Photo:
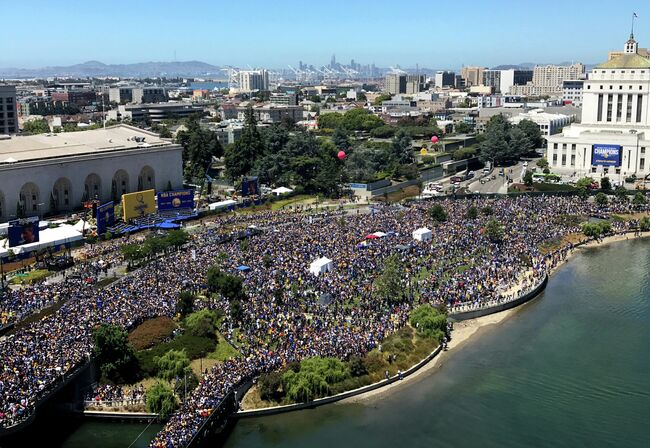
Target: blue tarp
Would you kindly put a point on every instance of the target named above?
(243, 268)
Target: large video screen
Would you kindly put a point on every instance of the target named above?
(250, 186)
(140, 203)
(23, 231)
(606, 155)
(170, 200)
(105, 217)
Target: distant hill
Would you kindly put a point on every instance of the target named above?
(96, 68)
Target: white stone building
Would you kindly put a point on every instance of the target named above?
(57, 172)
(549, 124)
(612, 138)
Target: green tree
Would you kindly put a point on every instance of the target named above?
(313, 379)
(330, 120)
(585, 182)
(520, 144)
(340, 139)
(402, 148)
(531, 129)
(185, 303)
(381, 98)
(161, 400)
(199, 146)
(177, 237)
(528, 178)
(601, 199)
(639, 200)
(472, 212)
(621, 193)
(430, 322)
(384, 131)
(115, 356)
(644, 223)
(496, 146)
(242, 155)
(494, 230)
(605, 184)
(202, 323)
(542, 163)
(269, 385)
(70, 127)
(463, 128)
(229, 286)
(173, 365)
(388, 285)
(36, 127)
(437, 213)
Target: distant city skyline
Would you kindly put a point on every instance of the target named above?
(283, 33)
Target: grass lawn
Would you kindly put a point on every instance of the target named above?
(224, 350)
(31, 277)
(307, 199)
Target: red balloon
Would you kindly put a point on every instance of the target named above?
(434, 139)
(341, 155)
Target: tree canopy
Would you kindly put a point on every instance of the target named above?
(199, 146)
(503, 141)
(114, 354)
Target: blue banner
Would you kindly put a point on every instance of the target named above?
(171, 200)
(606, 155)
(23, 231)
(105, 217)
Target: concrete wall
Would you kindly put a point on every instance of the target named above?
(500, 307)
(166, 163)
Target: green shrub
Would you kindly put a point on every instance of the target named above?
(202, 323)
(161, 400)
(429, 322)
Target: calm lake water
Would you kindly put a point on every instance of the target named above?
(570, 369)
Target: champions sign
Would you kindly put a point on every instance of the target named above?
(606, 155)
(171, 200)
(140, 203)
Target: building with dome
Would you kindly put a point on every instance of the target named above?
(613, 138)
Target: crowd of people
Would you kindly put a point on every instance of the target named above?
(111, 395)
(282, 319)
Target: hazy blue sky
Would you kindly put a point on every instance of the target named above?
(435, 34)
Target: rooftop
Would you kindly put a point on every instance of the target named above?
(47, 146)
(627, 61)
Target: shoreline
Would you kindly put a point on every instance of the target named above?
(464, 331)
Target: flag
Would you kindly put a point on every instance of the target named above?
(634, 15)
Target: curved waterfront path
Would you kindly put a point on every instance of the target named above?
(570, 369)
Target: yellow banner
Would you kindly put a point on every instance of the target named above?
(138, 204)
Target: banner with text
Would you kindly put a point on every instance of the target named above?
(138, 204)
(606, 155)
(170, 200)
(105, 217)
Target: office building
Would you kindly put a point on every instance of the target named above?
(445, 79)
(253, 80)
(285, 99)
(77, 97)
(572, 92)
(137, 94)
(396, 83)
(272, 113)
(473, 76)
(549, 124)
(548, 79)
(414, 84)
(613, 138)
(8, 113)
(153, 113)
(57, 172)
(492, 78)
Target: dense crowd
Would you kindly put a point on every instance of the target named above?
(114, 396)
(283, 319)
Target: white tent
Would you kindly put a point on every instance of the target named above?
(281, 190)
(422, 234)
(321, 265)
(47, 238)
(222, 204)
(81, 225)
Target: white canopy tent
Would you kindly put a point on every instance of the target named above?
(422, 234)
(81, 226)
(321, 265)
(47, 238)
(222, 204)
(281, 190)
